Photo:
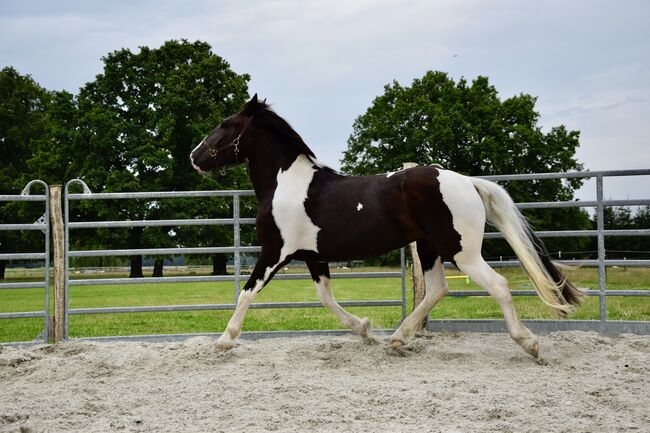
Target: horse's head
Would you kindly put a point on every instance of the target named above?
(227, 144)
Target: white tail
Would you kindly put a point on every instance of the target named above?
(552, 287)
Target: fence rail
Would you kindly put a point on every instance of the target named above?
(236, 249)
(43, 225)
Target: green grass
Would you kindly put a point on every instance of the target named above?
(618, 308)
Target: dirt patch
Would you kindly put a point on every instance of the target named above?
(439, 383)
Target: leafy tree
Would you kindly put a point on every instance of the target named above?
(623, 218)
(134, 127)
(22, 121)
(469, 129)
(642, 221)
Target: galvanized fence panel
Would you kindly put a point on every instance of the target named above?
(42, 224)
(603, 324)
(236, 250)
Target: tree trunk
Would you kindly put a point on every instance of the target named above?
(219, 262)
(158, 268)
(136, 267)
(3, 266)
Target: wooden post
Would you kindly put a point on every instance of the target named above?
(418, 275)
(56, 216)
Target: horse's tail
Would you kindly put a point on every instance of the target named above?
(553, 287)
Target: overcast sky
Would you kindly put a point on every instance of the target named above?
(320, 63)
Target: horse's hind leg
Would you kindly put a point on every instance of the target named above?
(436, 288)
(321, 275)
(496, 285)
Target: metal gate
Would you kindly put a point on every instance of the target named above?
(541, 326)
(42, 224)
(236, 249)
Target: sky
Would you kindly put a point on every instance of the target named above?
(321, 63)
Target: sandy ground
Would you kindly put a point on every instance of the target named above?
(440, 383)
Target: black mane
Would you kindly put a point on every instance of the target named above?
(268, 119)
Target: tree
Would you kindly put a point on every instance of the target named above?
(134, 127)
(469, 129)
(22, 121)
(623, 218)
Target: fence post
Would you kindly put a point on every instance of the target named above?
(600, 225)
(418, 276)
(236, 244)
(56, 216)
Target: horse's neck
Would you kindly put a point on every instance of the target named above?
(264, 172)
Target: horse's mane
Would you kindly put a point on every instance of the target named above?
(269, 119)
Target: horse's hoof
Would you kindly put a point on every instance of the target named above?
(225, 345)
(363, 328)
(396, 343)
(531, 346)
(370, 340)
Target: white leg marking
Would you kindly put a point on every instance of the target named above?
(246, 297)
(479, 271)
(297, 230)
(436, 288)
(360, 326)
(468, 214)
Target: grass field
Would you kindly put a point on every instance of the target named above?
(618, 308)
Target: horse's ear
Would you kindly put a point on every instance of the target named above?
(250, 106)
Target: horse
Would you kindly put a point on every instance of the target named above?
(310, 212)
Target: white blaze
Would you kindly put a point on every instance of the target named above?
(359, 207)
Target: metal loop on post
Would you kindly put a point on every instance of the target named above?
(27, 189)
(80, 182)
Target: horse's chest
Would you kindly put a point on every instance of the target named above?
(297, 230)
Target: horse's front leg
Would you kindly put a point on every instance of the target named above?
(262, 274)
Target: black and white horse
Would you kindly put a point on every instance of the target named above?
(309, 212)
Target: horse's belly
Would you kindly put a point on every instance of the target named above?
(361, 241)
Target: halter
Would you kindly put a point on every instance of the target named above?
(213, 151)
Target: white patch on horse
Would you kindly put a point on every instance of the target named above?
(359, 207)
(465, 205)
(390, 173)
(288, 208)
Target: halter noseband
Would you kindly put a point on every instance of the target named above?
(213, 151)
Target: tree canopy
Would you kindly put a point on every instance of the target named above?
(132, 129)
(468, 128)
(22, 123)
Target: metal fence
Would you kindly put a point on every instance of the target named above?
(43, 225)
(603, 324)
(236, 250)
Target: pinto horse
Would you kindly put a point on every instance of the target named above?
(307, 211)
